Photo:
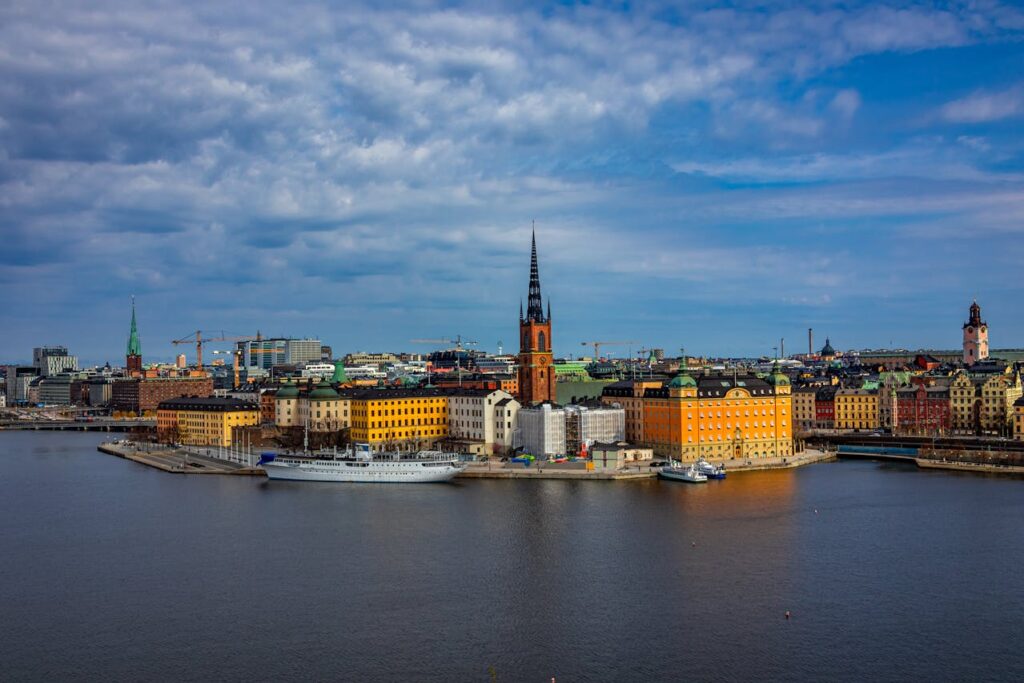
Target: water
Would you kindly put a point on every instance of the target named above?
(111, 570)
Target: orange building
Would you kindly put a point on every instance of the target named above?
(720, 417)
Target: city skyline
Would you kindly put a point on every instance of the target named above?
(370, 177)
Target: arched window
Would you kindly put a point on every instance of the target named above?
(540, 341)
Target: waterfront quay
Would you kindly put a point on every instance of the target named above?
(174, 460)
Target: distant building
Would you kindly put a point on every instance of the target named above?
(266, 353)
(133, 352)
(55, 390)
(506, 412)
(542, 430)
(856, 409)
(804, 417)
(922, 410)
(630, 395)
(142, 395)
(53, 360)
(206, 421)
(19, 378)
(180, 361)
(587, 425)
(975, 337)
(722, 415)
(536, 375)
(397, 419)
(825, 408)
(1018, 419)
(317, 406)
(471, 415)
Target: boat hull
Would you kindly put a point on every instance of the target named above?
(682, 475)
(363, 472)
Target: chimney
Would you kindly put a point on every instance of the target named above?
(810, 341)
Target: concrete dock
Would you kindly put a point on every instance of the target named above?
(175, 460)
(578, 471)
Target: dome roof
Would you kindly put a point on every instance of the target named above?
(323, 391)
(827, 349)
(288, 390)
(682, 380)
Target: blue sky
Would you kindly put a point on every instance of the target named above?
(718, 177)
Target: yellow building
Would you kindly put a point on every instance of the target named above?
(1018, 419)
(804, 415)
(856, 409)
(720, 417)
(397, 419)
(983, 402)
(203, 421)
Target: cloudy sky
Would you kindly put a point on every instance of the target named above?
(714, 177)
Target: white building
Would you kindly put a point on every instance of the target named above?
(318, 370)
(541, 431)
(53, 360)
(505, 414)
(471, 415)
(587, 425)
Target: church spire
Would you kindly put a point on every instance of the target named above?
(534, 307)
(134, 348)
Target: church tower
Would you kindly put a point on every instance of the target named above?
(133, 360)
(975, 337)
(536, 374)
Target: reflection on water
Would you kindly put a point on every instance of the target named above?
(114, 570)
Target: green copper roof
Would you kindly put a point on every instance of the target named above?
(134, 347)
(288, 390)
(339, 373)
(323, 391)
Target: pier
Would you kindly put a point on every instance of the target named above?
(177, 461)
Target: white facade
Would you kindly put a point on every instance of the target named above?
(318, 370)
(303, 351)
(541, 431)
(471, 414)
(505, 415)
(589, 425)
(53, 360)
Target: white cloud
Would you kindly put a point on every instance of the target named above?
(983, 106)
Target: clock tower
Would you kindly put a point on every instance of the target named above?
(536, 376)
(975, 337)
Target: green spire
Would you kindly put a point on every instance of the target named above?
(134, 348)
(339, 373)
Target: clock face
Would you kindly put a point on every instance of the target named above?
(984, 329)
(970, 330)
(543, 360)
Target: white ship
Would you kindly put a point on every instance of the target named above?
(362, 466)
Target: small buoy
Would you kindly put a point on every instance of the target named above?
(787, 614)
(693, 544)
(815, 510)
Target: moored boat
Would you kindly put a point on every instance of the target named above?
(688, 474)
(709, 470)
(419, 467)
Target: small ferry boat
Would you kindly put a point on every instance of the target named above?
(364, 466)
(689, 474)
(709, 470)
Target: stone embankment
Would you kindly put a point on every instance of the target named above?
(578, 471)
(175, 460)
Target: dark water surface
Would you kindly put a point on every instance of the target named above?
(110, 570)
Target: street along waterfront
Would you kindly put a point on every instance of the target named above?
(114, 570)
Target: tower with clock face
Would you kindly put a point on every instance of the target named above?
(536, 374)
(975, 337)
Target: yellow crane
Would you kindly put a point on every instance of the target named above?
(598, 344)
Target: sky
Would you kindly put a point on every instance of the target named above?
(714, 177)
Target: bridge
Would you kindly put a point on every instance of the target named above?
(97, 425)
(903, 454)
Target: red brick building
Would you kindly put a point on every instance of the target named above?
(922, 411)
(536, 374)
(825, 408)
(142, 395)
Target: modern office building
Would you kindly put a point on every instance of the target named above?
(53, 360)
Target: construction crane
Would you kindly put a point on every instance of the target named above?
(198, 340)
(598, 344)
(458, 341)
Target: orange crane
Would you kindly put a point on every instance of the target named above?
(199, 341)
(598, 344)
